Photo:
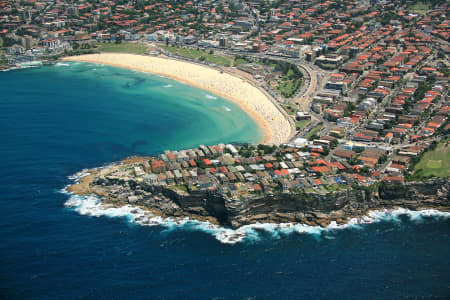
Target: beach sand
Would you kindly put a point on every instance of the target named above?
(252, 100)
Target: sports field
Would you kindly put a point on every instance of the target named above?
(435, 162)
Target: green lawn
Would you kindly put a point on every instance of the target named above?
(419, 8)
(290, 109)
(336, 187)
(309, 190)
(222, 60)
(299, 125)
(124, 47)
(180, 187)
(434, 162)
(313, 131)
(240, 61)
(288, 87)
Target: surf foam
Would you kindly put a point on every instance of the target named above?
(93, 206)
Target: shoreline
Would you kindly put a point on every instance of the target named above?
(93, 205)
(92, 184)
(274, 125)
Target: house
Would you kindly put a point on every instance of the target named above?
(15, 50)
(330, 59)
(158, 166)
(170, 178)
(394, 179)
(204, 182)
(151, 179)
(162, 179)
(401, 160)
(303, 116)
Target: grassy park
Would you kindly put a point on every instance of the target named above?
(289, 84)
(290, 109)
(222, 60)
(124, 47)
(299, 125)
(419, 8)
(434, 162)
(314, 131)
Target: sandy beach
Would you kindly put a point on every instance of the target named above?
(252, 100)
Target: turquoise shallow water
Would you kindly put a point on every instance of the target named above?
(149, 113)
(58, 120)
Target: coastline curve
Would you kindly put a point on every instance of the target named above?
(276, 127)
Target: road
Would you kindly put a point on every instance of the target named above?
(304, 101)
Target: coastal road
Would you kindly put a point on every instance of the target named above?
(304, 101)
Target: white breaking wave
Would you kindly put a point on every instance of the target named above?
(19, 68)
(10, 69)
(227, 108)
(92, 206)
(210, 96)
(77, 176)
(60, 64)
(168, 86)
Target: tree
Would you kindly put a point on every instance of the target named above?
(8, 42)
(349, 109)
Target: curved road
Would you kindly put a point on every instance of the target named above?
(304, 101)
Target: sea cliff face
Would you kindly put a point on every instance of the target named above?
(306, 208)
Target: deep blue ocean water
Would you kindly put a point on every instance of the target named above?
(57, 120)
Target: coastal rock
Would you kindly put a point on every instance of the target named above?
(309, 208)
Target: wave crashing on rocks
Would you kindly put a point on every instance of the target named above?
(93, 206)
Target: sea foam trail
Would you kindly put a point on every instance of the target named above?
(60, 64)
(168, 86)
(92, 206)
(210, 96)
(19, 68)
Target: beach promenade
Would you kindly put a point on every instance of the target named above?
(275, 125)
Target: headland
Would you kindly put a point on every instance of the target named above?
(224, 186)
(276, 127)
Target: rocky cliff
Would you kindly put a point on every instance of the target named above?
(308, 208)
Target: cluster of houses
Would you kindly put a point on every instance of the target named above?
(392, 93)
(328, 32)
(237, 170)
(387, 86)
(223, 169)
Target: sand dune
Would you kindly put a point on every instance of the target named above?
(256, 103)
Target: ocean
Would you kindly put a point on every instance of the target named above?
(60, 119)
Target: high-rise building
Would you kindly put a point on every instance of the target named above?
(27, 42)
